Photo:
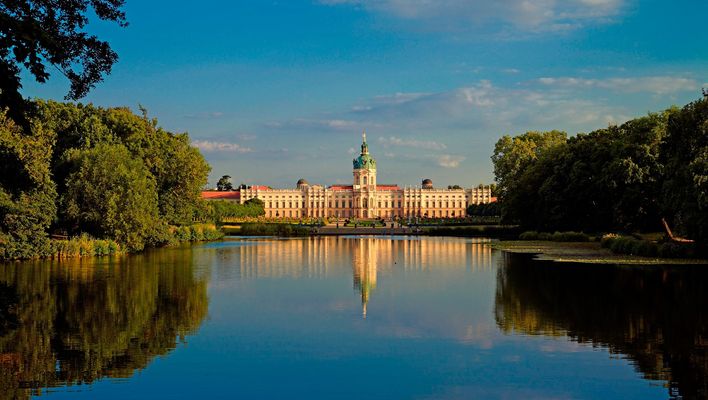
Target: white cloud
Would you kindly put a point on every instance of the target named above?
(525, 15)
(323, 125)
(450, 161)
(483, 106)
(393, 141)
(660, 85)
(212, 146)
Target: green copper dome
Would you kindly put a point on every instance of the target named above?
(364, 161)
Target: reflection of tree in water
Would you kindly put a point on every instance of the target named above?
(63, 323)
(657, 317)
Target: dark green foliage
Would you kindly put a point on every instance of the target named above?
(220, 209)
(196, 233)
(484, 210)
(27, 192)
(257, 229)
(114, 174)
(224, 184)
(37, 34)
(685, 189)
(475, 231)
(178, 169)
(638, 247)
(623, 177)
(555, 237)
(110, 194)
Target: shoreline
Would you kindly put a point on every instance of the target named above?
(584, 253)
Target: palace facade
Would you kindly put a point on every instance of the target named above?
(365, 198)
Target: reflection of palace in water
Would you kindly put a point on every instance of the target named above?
(318, 257)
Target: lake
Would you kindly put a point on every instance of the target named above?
(350, 317)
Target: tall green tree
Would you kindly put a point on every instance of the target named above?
(224, 184)
(685, 152)
(109, 193)
(179, 170)
(27, 192)
(37, 34)
(512, 156)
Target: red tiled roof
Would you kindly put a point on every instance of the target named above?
(216, 195)
(259, 187)
(341, 187)
(493, 200)
(387, 187)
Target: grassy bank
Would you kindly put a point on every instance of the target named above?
(648, 248)
(583, 252)
(82, 246)
(195, 233)
(260, 229)
(495, 231)
(86, 246)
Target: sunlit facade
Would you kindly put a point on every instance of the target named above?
(366, 197)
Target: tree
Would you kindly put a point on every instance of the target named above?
(178, 168)
(36, 34)
(27, 192)
(685, 153)
(454, 187)
(111, 194)
(513, 154)
(255, 202)
(224, 184)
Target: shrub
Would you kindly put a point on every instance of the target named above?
(637, 247)
(555, 237)
(81, 246)
(195, 233)
(529, 235)
(676, 250)
(273, 230)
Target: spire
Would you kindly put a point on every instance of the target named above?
(364, 146)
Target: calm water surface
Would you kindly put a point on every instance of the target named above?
(350, 317)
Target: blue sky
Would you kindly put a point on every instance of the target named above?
(272, 91)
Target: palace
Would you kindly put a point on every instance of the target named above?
(365, 198)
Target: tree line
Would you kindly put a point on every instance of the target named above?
(620, 178)
(103, 171)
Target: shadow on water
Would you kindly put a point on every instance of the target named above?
(73, 322)
(657, 317)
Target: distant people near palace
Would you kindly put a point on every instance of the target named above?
(365, 199)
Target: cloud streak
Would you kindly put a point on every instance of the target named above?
(450, 161)
(523, 15)
(213, 146)
(660, 85)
